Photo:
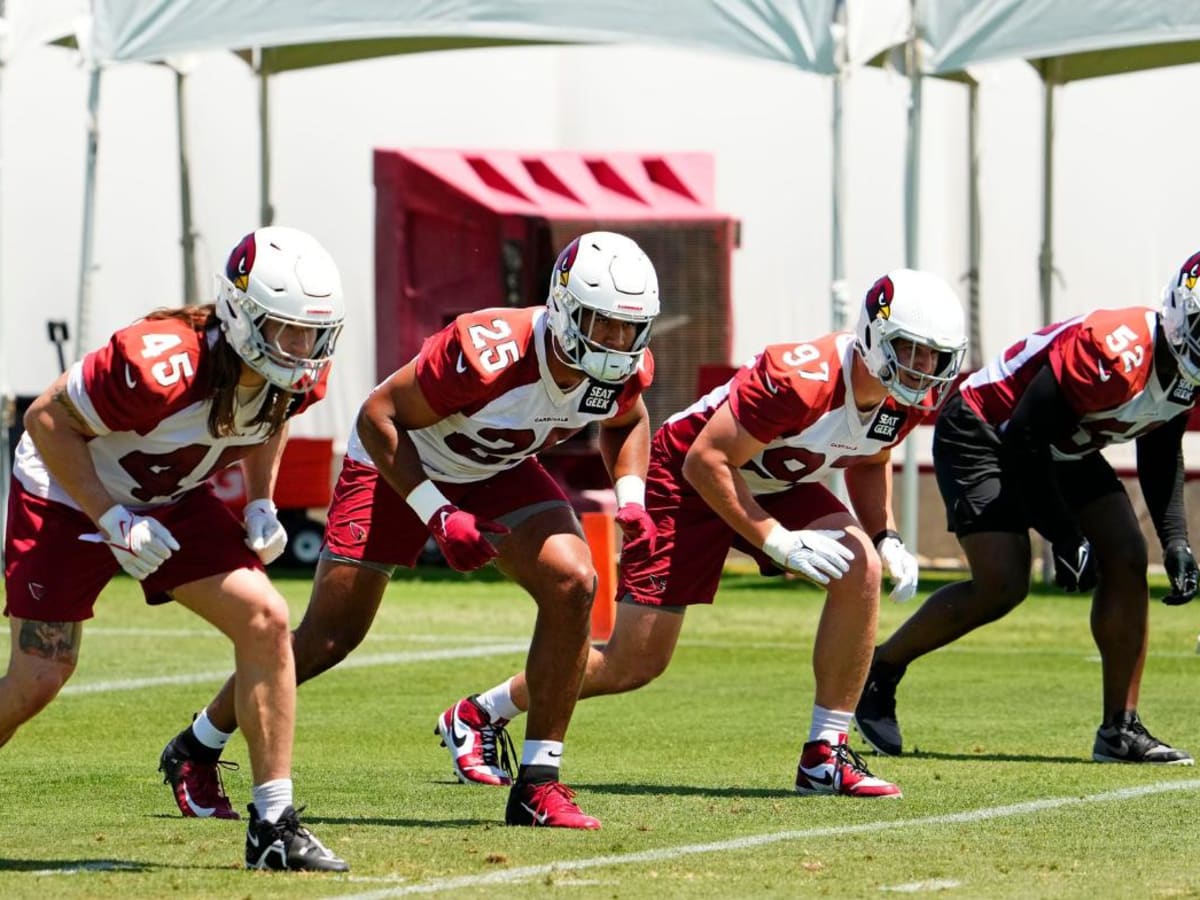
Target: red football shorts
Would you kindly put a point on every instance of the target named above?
(52, 576)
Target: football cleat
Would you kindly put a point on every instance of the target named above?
(287, 845)
(481, 750)
(1126, 740)
(196, 785)
(549, 804)
(828, 769)
(875, 715)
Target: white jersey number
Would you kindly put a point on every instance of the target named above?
(494, 358)
(174, 367)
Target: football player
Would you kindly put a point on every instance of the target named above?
(742, 467)
(112, 473)
(448, 446)
(1018, 449)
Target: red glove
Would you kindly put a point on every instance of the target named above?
(639, 531)
(460, 536)
(457, 532)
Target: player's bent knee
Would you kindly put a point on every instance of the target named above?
(313, 659)
(267, 623)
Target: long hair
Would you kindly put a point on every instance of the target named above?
(224, 373)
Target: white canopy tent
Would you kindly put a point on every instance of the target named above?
(823, 36)
(1114, 37)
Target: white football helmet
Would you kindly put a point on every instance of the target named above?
(281, 276)
(1181, 319)
(918, 307)
(606, 275)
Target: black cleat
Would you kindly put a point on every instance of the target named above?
(287, 846)
(875, 715)
(1126, 740)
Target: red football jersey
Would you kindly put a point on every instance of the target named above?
(144, 395)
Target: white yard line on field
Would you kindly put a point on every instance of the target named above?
(354, 662)
(968, 817)
(104, 631)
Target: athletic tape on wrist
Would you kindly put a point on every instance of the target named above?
(426, 499)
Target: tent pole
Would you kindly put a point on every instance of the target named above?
(1046, 258)
(266, 213)
(909, 483)
(191, 296)
(975, 360)
(83, 311)
(839, 312)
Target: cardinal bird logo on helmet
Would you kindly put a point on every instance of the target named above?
(1189, 274)
(566, 259)
(879, 299)
(241, 261)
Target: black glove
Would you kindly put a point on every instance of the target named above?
(1074, 566)
(1181, 569)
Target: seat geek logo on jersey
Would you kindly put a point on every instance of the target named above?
(599, 398)
(1183, 392)
(887, 425)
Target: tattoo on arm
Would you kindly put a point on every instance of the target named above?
(57, 641)
(61, 398)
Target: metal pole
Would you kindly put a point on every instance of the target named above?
(1046, 257)
(266, 213)
(909, 482)
(86, 266)
(191, 295)
(839, 313)
(975, 357)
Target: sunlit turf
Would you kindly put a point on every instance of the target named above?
(704, 755)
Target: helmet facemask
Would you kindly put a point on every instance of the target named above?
(247, 325)
(278, 280)
(910, 385)
(573, 325)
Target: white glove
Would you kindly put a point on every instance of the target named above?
(264, 533)
(817, 555)
(902, 566)
(140, 544)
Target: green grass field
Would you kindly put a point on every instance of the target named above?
(691, 776)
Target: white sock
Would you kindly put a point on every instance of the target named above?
(542, 753)
(830, 725)
(208, 734)
(271, 798)
(498, 702)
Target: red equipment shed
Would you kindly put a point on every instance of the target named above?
(459, 230)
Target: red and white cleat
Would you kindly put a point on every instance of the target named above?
(828, 769)
(480, 749)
